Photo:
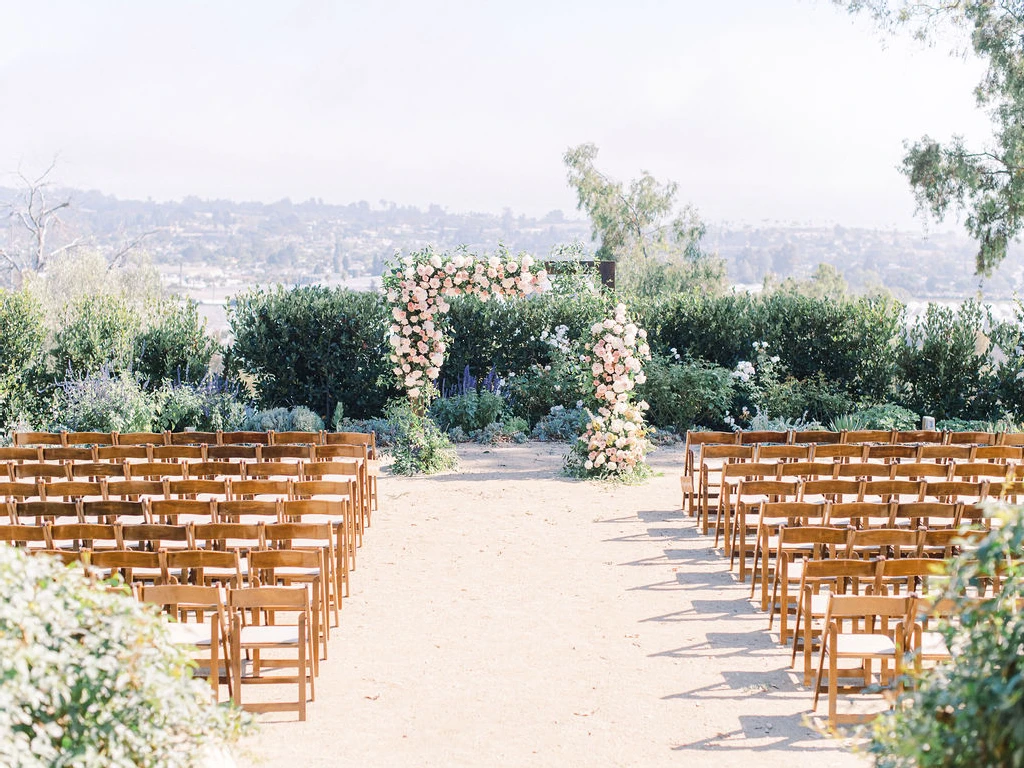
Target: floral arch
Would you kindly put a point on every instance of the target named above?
(417, 288)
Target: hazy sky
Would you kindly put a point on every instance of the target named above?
(761, 109)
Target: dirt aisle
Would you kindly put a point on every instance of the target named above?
(505, 616)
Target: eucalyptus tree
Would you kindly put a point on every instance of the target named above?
(985, 183)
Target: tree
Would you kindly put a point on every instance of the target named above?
(31, 219)
(986, 183)
(658, 248)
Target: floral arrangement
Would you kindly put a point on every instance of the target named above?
(418, 286)
(615, 442)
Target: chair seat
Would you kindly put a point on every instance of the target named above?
(190, 634)
(863, 644)
(253, 637)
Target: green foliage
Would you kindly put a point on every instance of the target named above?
(888, 416)
(560, 424)
(969, 711)
(314, 346)
(91, 677)
(206, 407)
(658, 249)
(985, 183)
(420, 447)
(468, 412)
(945, 367)
(827, 282)
(687, 394)
(95, 331)
(174, 346)
(815, 398)
(24, 334)
(298, 419)
(105, 402)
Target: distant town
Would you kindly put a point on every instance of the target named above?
(212, 249)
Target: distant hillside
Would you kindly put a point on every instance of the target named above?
(209, 243)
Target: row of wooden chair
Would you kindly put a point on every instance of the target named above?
(151, 453)
(68, 439)
(698, 441)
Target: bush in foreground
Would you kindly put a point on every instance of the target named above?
(90, 677)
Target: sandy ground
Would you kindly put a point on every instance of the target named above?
(506, 616)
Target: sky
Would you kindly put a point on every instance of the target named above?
(762, 110)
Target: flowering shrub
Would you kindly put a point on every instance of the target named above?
(417, 288)
(615, 441)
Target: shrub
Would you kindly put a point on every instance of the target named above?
(91, 676)
(23, 332)
(944, 367)
(561, 424)
(314, 346)
(299, 419)
(419, 447)
(174, 346)
(95, 331)
(687, 394)
(888, 416)
(814, 398)
(468, 412)
(968, 711)
(105, 402)
(210, 405)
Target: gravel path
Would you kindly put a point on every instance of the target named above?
(506, 616)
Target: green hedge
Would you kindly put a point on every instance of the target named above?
(314, 346)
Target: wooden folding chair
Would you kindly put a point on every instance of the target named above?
(889, 454)
(998, 454)
(927, 514)
(232, 453)
(72, 490)
(210, 638)
(248, 511)
(95, 470)
(39, 471)
(138, 438)
(316, 537)
(92, 536)
(19, 455)
(299, 438)
(909, 574)
(922, 470)
(286, 567)
(21, 512)
(152, 537)
(863, 514)
(815, 436)
(863, 629)
(731, 475)
(834, 491)
(861, 470)
(205, 567)
(263, 604)
(944, 453)
(695, 442)
(201, 490)
(840, 453)
(261, 489)
(795, 546)
(246, 438)
(772, 452)
(180, 511)
(919, 436)
(38, 438)
(119, 511)
(177, 453)
(14, 491)
(712, 458)
(885, 543)
(134, 490)
(30, 537)
(342, 470)
(191, 438)
(154, 470)
(750, 495)
(775, 515)
(289, 452)
(64, 454)
(216, 470)
(273, 470)
(867, 436)
(340, 513)
(134, 566)
(971, 438)
(753, 437)
(893, 490)
(123, 453)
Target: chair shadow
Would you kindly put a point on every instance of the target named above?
(762, 728)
